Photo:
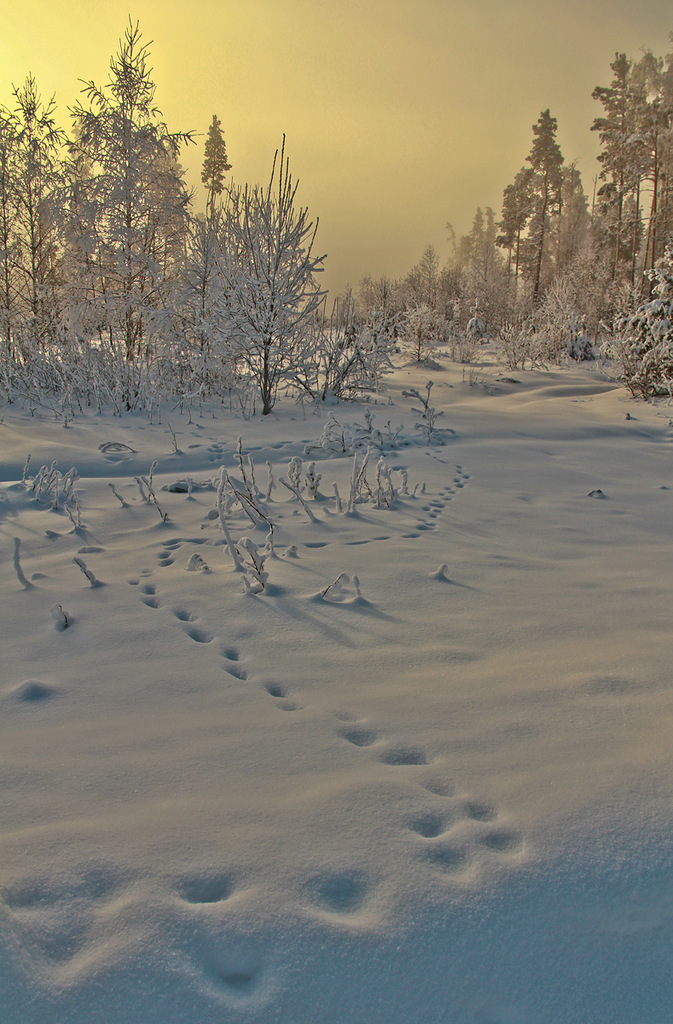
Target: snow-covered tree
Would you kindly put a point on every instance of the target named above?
(546, 162)
(33, 162)
(422, 330)
(137, 199)
(345, 355)
(8, 212)
(644, 348)
(269, 269)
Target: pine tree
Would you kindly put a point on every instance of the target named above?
(517, 207)
(546, 162)
(214, 164)
(623, 154)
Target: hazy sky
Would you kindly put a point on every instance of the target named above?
(400, 115)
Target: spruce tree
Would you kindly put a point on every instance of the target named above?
(214, 165)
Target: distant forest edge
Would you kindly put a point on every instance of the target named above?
(115, 291)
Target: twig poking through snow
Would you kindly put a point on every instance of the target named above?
(87, 572)
(61, 619)
(197, 564)
(299, 499)
(343, 577)
(151, 497)
(225, 529)
(271, 483)
(118, 496)
(176, 450)
(26, 584)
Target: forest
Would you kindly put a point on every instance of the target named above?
(117, 292)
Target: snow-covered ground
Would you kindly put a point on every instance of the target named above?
(424, 794)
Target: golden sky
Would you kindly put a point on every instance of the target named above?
(400, 115)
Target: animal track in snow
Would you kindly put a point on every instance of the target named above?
(32, 691)
(460, 832)
(430, 824)
(500, 840)
(480, 811)
(447, 856)
(199, 636)
(402, 755)
(234, 970)
(338, 892)
(279, 694)
(55, 914)
(150, 598)
(207, 888)
(358, 735)
(183, 615)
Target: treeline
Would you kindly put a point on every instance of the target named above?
(558, 270)
(115, 291)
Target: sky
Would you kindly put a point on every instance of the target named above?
(399, 115)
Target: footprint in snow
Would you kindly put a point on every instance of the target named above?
(280, 694)
(33, 691)
(338, 892)
(209, 887)
(231, 663)
(358, 735)
(199, 635)
(149, 598)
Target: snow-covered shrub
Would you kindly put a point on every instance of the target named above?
(345, 355)
(560, 328)
(337, 439)
(515, 345)
(643, 347)
(423, 329)
(428, 414)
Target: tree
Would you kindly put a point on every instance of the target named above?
(8, 212)
(573, 221)
(422, 329)
(36, 180)
(517, 207)
(546, 162)
(645, 338)
(268, 271)
(622, 152)
(423, 281)
(137, 199)
(214, 165)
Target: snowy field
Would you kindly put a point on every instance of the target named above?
(438, 790)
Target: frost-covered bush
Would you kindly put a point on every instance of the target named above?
(345, 355)
(644, 342)
(340, 439)
(423, 329)
(515, 345)
(560, 328)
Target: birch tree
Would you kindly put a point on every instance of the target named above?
(269, 267)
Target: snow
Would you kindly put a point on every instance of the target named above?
(423, 775)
